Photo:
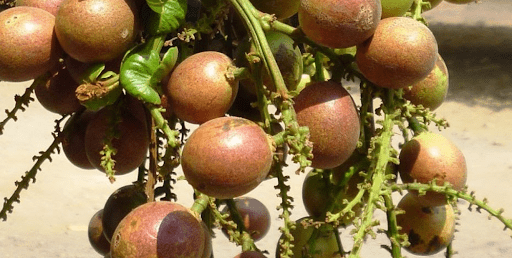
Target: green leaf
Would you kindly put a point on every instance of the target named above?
(157, 5)
(92, 73)
(168, 62)
(137, 69)
(168, 19)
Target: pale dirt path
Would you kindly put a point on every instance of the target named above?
(52, 218)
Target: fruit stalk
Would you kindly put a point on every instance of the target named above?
(30, 176)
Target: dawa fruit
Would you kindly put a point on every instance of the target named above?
(339, 24)
(430, 156)
(28, 46)
(96, 30)
(227, 157)
(329, 112)
(51, 6)
(199, 88)
(159, 229)
(282, 9)
(402, 52)
(429, 228)
(395, 8)
(431, 91)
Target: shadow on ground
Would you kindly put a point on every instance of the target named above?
(479, 59)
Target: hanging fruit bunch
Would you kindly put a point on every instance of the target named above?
(265, 84)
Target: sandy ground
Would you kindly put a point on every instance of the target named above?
(51, 220)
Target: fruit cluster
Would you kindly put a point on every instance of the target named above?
(130, 74)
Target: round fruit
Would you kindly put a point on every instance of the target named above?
(50, 6)
(429, 228)
(301, 235)
(199, 88)
(287, 55)
(96, 30)
(402, 52)
(339, 24)
(57, 94)
(96, 237)
(395, 8)
(331, 115)
(131, 141)
(119, 204)
(282, 9)
(250, 254)
(158, 229)
(255, 216)
(318, 196)
(431, 91)
(460, 1)
(227, 157)
(28, 46)
(430, 156)
(73, 143)
(180, 234)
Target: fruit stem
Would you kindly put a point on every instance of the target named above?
(200, 203)
(381, 153)
(30, 176)
(24, 100)
(393, 234)
(451, 193)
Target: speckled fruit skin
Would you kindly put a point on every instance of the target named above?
(50, 6)
(255, 216)
(282, 9)
(144, 232)
(28, 45)
(400, 53)
(121, 202)
(226, 157)
(57, 94)
(95, 233)
(96, 30)
(199, 89)
(339, 24)
(431, 91)
(132, 142)
(331, 115)
(430, 156)
(395, 8)
(429, 229)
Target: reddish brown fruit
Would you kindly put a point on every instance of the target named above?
(199, 88)
(331, 115)
(226, 157)
(339, 24)
(57, 95)
(96, 30)
(73, 143)
(255, 216)
(429, 229)
(119, 204)
(431, 91)
(28, 46)
(132, 142)
(50, 6)
(402, 52)
(430, 156)
(95, 234)
(158, 229)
